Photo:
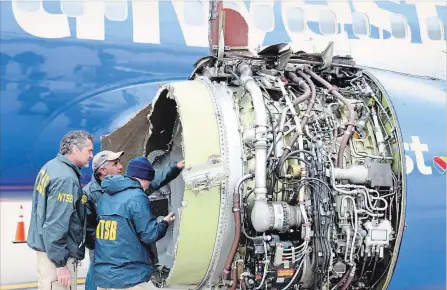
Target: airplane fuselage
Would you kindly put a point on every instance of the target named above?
(66, 66)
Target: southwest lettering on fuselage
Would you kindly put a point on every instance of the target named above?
(418, 148)
(106, 230)
(193, 18)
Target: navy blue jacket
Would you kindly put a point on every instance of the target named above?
(94, 191)
(57, 224)
(125, 230)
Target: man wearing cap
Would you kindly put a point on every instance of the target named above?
(104, 163)
(108, 163)
(126, 228)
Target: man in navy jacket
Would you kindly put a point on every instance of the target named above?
(126, 229)
(108, 163)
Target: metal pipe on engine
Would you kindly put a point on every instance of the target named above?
(274, 146)
(298, 127)
(378, 133)
(260, 210)
(355, 226)
(260, 130)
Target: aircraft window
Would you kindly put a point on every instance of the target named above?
(399, 26)
(434, 27)
(72, 8)
(28, 5)
(230, 5)
(116, 10)
(193, 10)
(360, 24)
(295, 19)
(328, 22)
(263, 18)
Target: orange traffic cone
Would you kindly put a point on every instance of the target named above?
(20, 232)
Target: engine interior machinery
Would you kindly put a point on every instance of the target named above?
(294, 174)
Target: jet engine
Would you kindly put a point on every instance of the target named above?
(294, 174)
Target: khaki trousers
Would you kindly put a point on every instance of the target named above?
(142, 286)
(47, 276)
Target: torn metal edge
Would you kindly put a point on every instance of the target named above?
(176, 230)
(176, 226)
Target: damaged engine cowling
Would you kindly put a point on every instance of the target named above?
(293, 179)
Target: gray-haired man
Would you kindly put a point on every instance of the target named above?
(58, 217)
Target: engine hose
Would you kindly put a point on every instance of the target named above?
(302, 84)
(303, 151)
(312, 99)
(350, 278)
(234, 278)
(303, 123)
(348, 132)
(341, 280)
(237, 224)
(243, 286)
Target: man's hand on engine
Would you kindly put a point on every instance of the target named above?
(181, 164)
(170, 218)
